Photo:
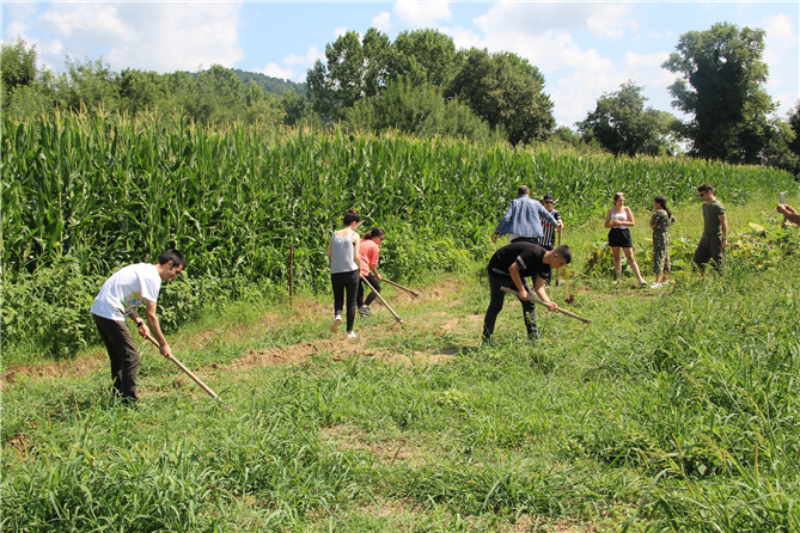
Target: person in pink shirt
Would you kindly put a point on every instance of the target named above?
(369, 268)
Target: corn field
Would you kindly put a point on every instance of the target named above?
(104, 193)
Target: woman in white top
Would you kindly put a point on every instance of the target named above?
(619, 219)
(345, 255)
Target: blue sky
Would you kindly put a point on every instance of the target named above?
(583, 49)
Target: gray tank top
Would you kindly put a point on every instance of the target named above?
(342, 249)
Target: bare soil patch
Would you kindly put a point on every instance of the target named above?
(385, 451)
(81, 366)
(527, 523)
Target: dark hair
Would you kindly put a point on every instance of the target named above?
(616, 196)
(523, 189)
(351, 216)
(376, 232)
(705, 187)
(172, 255)
(547, 196)
(564, 252)
(663, 201)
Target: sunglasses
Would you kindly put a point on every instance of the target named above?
(548, 201)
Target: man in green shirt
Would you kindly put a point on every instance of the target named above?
(715, 229)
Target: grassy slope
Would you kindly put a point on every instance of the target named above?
(423, 429)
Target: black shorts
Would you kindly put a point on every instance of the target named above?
(709, 249)
(620, 237)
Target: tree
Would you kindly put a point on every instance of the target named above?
(506, 91)
(417, 109)
(794, 123)
(424, 56)
(17, 65)
(622, 125)
(138, 90)
(89, 85)
(722, 86)
(355, 69)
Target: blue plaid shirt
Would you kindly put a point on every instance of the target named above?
(524, 218)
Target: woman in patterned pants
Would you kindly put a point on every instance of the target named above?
(661, 220)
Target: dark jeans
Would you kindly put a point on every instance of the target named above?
(123, 355)
(709, 249)
(496, 305)
(372, 295)
(340, 282)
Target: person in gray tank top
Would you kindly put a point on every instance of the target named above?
(344, 252)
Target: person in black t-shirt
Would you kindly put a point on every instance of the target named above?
(508, 267)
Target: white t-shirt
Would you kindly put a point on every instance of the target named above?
(126, 290)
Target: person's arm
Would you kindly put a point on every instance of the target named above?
(652, 218)
(517, 279)
(538, 288)
(546, 215)
(155, 328)
(608, 223)
(502, 226)
(724, 219)
(139, 323)
(630, 222)
(789, 212)
(357, 250)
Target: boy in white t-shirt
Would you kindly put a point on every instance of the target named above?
(118, 299)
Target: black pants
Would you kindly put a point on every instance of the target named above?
(340, 282)
(123, 355)
(496, 305)
(372, 295)
(534, 240)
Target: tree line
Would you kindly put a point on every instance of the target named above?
(421, 84)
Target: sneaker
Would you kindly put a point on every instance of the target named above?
(655, 286)
(351, 335)
(335, 325)
(642, 282)
(615, 282)
(364, 311)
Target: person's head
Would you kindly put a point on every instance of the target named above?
(660, 202)
(352, 216)
(523, 190)
(548, 201)
(619, 199)
(705, 191)
(170, 264)
(561, 256)
(376, 234)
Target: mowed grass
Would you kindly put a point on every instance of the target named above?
(676, 410)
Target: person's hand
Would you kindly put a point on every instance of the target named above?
(523, 295)
(494, 238)
(378, 277)
(553, 307)
(723, 243)
(559, 224)
(784, 209)
(142, 329)
(166, 351)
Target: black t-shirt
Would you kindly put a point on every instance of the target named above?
(529, 257)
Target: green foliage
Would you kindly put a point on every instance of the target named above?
(506, 91)
(622, 125)
(419, 110)
(17, 65)
(723, 60)
(272, 85)
(424, 57)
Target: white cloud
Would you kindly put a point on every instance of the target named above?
(307, 60)
(152, 36)
(382, 22)
(422, 13)
(610, 20)
(781, 55)
(338, 32)
(274, 70)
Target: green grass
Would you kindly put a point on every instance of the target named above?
(674, 411)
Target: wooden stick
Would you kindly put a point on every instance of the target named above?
(536, 301)
(559, 268)
(396, 316)
(189, 373)
(412, 291)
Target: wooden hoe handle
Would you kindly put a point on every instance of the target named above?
(536, 301)
(188, 372)
(396, 316)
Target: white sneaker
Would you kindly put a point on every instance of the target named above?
(655, 286)
(642, 282)
(336, 322)
(351, 335)
(615, 282)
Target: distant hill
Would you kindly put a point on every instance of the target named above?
(270, 84)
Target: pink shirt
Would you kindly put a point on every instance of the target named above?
(369, 255)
